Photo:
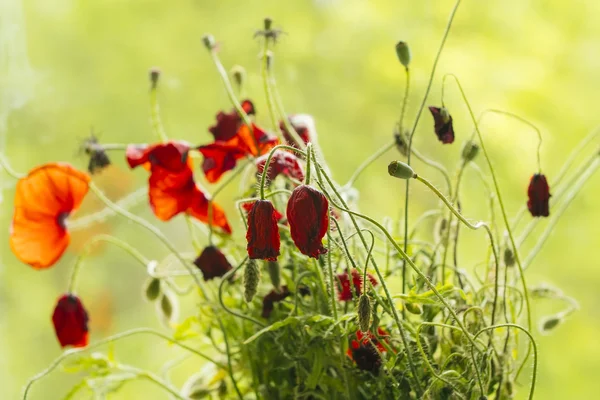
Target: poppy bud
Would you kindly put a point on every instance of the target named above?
(403, 53)
(268, 22)
(401, 143)
(209, 41)
(509, 257)
(166, 306)
(263, 233)
(308, 216)
(549, 323)
(238, 73)
(70, 321)
(443, 124)
(274, 273)
(152, 289)
(470, 150)
(401, 170)
(413, 308)
(539, 196)
(251, 280)
(364, 313)
(154, 75)
(213, 263)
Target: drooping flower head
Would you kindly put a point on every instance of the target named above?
(233, 141)
(172, 188)
(538, 195)
(282, 162)
(443, 124)
(300, 126)
(213, 263)
(70, 321)
(365, 350)
(248, 206)
(345, 291)
(270, 299)
(308, 216)
(43, 201)
(263, 233)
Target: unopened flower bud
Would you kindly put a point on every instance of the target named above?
(152, 289)
(154, 75)
(364, 313)
(403, 53)
(166, 306)
(274, 274)
(401, 170)
(509, 257)
(209, 41)
(251, 280)
(238, 74)
(470, 150)
(268, 23)
(549, 323)
(413, 308)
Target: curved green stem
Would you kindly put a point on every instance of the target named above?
(110, 339)
(157, 125)
(229, 365)
(6, 166)
(267, 59)
(226, 278)
(103, 238)
(157, 380)
(263, 178)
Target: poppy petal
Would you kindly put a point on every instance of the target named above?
(199, 209)
(70, 320)
(219, 158)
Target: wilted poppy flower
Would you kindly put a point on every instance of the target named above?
(282, 162)
(213, 263)
(365, 350)
(301, 129)
(171, 185)
(345, 290)
(70, 321)
(43, 201)
(263, 233)
(228, 123)
(308, 216)
(270, 299)
(248, 206)
(443, 124)
(98, 157)
(539, 196)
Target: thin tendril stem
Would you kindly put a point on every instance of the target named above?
(267, 58)
(6, 165)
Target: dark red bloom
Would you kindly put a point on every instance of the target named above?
(345, 290)
(70, 321)
(172, 188)
(539, 196)
(308, 216)
(233, 141)
(270, 299)
(228, 123)
(213, 263)
(282, 162)
(248, 206)
(301, 129)
(443, 124)
(263, 233)
(365, 350)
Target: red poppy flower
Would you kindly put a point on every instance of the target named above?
(282, 162)
(443, 124)
(228, 123)
(365, 350)
(308, 216)
(345, 290)
(172, 189)
(270, 299)
(248, 206)
(43, 201)
(70, 321)
(213, 263)
(301, 129)
(263, 233)
(539, 196)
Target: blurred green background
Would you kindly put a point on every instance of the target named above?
(66, 66)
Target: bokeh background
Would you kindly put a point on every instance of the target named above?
(68, 66)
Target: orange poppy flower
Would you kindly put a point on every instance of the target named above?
(43, 201)
(172, 188)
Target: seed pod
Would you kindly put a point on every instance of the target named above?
(251, 280)
(154, 75)
(274, 273)
(364, 313)
(401, 170)
(413, 308)
(209, 41)
(403, 53)
(509, 257)
(152, 289)
(166, 306)
(470, 150)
